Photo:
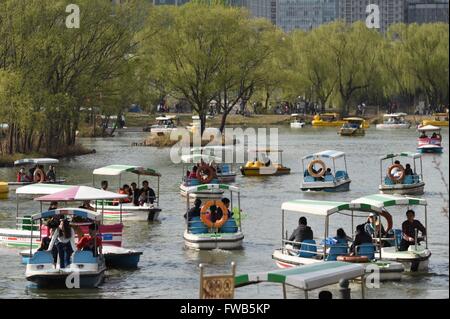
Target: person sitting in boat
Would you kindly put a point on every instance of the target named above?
(328, 172)
(87, 205)
(22, 176)
(362, 237)
(373, 226)
(226, 202)
(193, 174)
(423, 135)
(194, 211)
(409, 228)
(301, 233)
(92, 241)
(51, 175)
(341, 237)
(136, 193)
(105, 185)
(64, 240)
(125, 190)
(408, 170)
(53, 206)
(147, 194)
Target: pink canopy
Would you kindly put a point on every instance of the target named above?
(80, 193)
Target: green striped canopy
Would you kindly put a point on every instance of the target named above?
(307, 277)
(207, 187)
(378, 201)
(115, 170)
(402, 154)
(315, 207)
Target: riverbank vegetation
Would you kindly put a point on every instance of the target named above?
(202, 54)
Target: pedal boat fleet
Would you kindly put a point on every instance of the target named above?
(394, 121)
(354, 126)
(317, 176)
(427, 143)
(263, 165)
(40, 179)
(203, 233)
(395, 178)
(128, 211)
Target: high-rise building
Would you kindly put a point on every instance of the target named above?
(426, 11)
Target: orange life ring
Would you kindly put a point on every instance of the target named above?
(353, 259)
(205, 214)
(39, 176)
(388, 218)
(205, 170)
(401, 175)
(311, 166)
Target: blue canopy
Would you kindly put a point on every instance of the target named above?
(84, 213)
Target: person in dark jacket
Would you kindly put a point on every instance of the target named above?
(362, 237)
(409, 228)
(194, 211)
(302, 232)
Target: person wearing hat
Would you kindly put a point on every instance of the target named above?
(373, 226)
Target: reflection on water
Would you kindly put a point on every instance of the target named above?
(168, 270)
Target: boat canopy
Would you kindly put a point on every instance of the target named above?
(326, 154)
(84, 213)
(115, 170)
(205, 187)
(308, 277)
(297, 115)
(354, 119)
(378, 201)
(80, 193)
(166, 118)
(315, 207)
(194, 158)
(41, 189)
(39, 161)
(212, 148)
(395, 115)
(428, 128)
(402, 154)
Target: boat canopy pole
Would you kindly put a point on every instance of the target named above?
(157, 200)
(327, 224)
(31, 243)
(345, 163)
(239, 208)
(282, 227)
(17, 209)
(426, 227)
(421, 171)
(334, 168)
(381, 172)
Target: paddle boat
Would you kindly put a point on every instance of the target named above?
(330, 249)
(397, 180)
(416, 258)
(324, 178)
(39, 178)
(429, 144)
(353, 127)
(327, 120)
(164, 125)
(298, 121)
(204, 234)
(85, 266)
(394, 121)
(263, 165)
(127, 210)
(115, 255)
(440, 119)
(206, 166)
(4, 190)
(225, 171)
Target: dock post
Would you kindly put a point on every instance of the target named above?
(344, 290)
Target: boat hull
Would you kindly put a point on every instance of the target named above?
(321, 123)
(393, 126)
(352, 132)
(331, 187)
(226, 241)
(226, 178)
(58, 280)
(435, 123)
(264, 171)
(413, 260)
(430, 149)
(403, 189)
(297, 125)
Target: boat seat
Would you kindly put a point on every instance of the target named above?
(337, 250)
(309, 179)
(398, 234)
(308, 249)
(196, 226)
(225, 168)
(341, 175)
(409, 179)
(83, 257)
(215, 181)
(367, 249)
(229, 227)
(192, 182)
(388, 181)
(42, 257)
(328, 178)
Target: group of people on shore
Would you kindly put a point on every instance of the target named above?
(137, 196)
(366, 233)
(37, 174)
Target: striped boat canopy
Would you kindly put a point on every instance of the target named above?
(115, 170)
(315, 207)
(41, 189)
(379, 201)
(80, 193)
(306, 277)
(195, 158)
(40, 161)
(402, 154)
(326, 154)
(428, 128)
(84, 213)
(207, 187)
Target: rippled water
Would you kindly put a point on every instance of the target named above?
(168, 270)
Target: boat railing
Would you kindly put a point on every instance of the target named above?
(319, 248)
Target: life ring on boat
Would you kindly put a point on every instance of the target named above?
(205, 170)
(311, 166)
(39, 176)
(353, 259)
(401, 173)
(205, 214)
(388, 218)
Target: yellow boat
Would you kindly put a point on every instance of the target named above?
(327, 120)
(4, 190)
(354, 127)
(440, 119)
(264, 166)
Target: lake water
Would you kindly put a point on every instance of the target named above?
(168, 270)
